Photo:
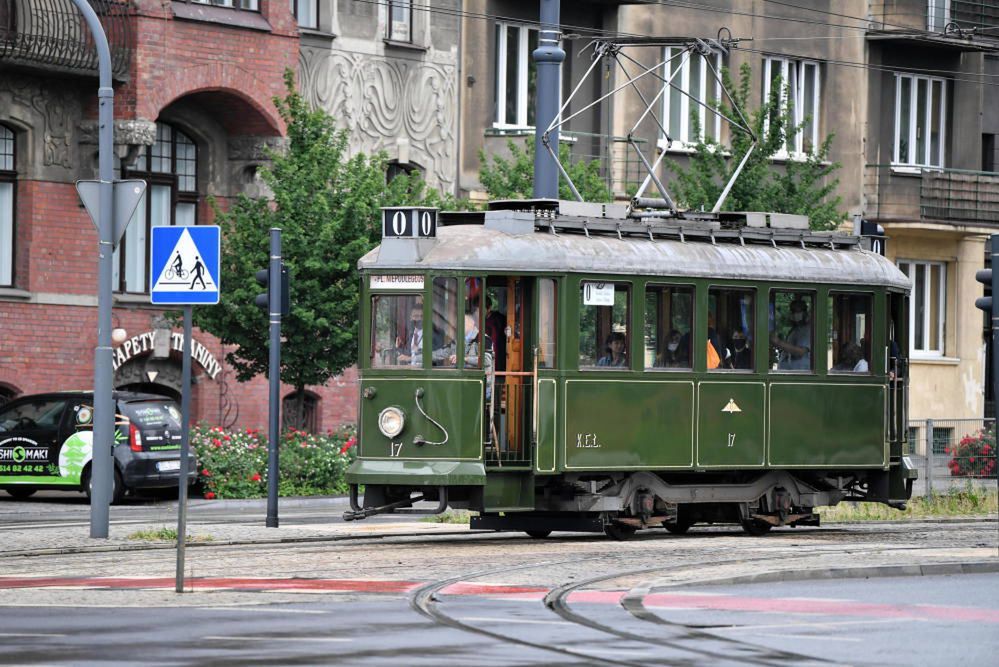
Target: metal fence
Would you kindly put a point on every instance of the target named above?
(952, 452)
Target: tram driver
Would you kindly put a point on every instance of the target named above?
(795, 350)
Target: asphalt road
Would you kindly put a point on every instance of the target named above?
(848, 624)
(398, 591)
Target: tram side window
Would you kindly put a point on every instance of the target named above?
(792, 330)
(731, 316)
(444, 318)
(603, 325)
(548, 312)
(850, 322)
(473, 327)
(396, 330)
(669, 325)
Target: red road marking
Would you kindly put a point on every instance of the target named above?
(530, 593)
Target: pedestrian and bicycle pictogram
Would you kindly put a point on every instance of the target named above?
(185, 265)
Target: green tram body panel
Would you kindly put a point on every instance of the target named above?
(614, 424)
(731, 429)
(545, 460)
(456, 403)
(827, 425)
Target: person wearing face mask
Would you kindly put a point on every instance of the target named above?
(795, 351)
(675, 355)
(411, 350)
(740, 357)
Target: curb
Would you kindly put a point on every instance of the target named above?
(261, 503)
(159, 546)
(885, 571)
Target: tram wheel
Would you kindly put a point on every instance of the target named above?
(538, 534)
(678, 528)
(755, 527)
(619, 531)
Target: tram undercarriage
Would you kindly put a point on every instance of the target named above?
(620, 504)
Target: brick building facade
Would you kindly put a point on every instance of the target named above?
(193, 115)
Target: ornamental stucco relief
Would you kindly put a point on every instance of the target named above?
(379, 100)
(56, 108)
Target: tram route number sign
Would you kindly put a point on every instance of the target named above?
(409, 222)
(598, 294)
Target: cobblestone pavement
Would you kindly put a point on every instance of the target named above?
(308, 546)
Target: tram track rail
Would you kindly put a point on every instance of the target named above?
(427, 600)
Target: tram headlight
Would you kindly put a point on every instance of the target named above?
(391, 420)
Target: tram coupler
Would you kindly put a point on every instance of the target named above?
(356, 512)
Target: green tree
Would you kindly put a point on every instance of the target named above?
(513, 178)
(804, 187)
(327, 205)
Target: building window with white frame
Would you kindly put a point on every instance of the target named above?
(928, 306)
(920, 120)
(248, 5)
(170, 169)
(306, 13)
(937, 15)
(399, 27)
(516, 75)
(692, 85)
(800, 100)
(8, 186)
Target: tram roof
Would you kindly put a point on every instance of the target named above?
(486, 248)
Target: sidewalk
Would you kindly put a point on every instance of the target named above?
(209, 522)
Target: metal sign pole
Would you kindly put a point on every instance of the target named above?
(101, 470)
(185, 447)
(274, 373)
(994, 250)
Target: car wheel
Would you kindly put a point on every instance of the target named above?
(117, 485)
(20, 492)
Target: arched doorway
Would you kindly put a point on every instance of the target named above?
(147, 374)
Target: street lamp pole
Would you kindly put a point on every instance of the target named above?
(101, 470)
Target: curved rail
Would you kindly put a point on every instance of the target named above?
(557, 601)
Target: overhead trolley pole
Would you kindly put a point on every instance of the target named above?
(549, 56)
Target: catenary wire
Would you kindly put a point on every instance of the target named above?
(975, 78)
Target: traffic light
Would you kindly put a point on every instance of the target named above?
(984, 276)
(987, 278)
(263, 300)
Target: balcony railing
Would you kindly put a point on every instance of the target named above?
(934, 15)
(938, 195)
(52, 34)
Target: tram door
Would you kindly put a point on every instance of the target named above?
(897, 353)
(509, 325)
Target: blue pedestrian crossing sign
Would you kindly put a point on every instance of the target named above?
(185, 265)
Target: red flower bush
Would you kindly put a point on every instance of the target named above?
(209, 495)
(974, 455)
(310, 464)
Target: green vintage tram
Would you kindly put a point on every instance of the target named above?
(579, 367)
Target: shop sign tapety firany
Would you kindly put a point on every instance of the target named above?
(143, 343)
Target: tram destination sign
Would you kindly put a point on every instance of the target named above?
(409, 222)
(397, 282)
